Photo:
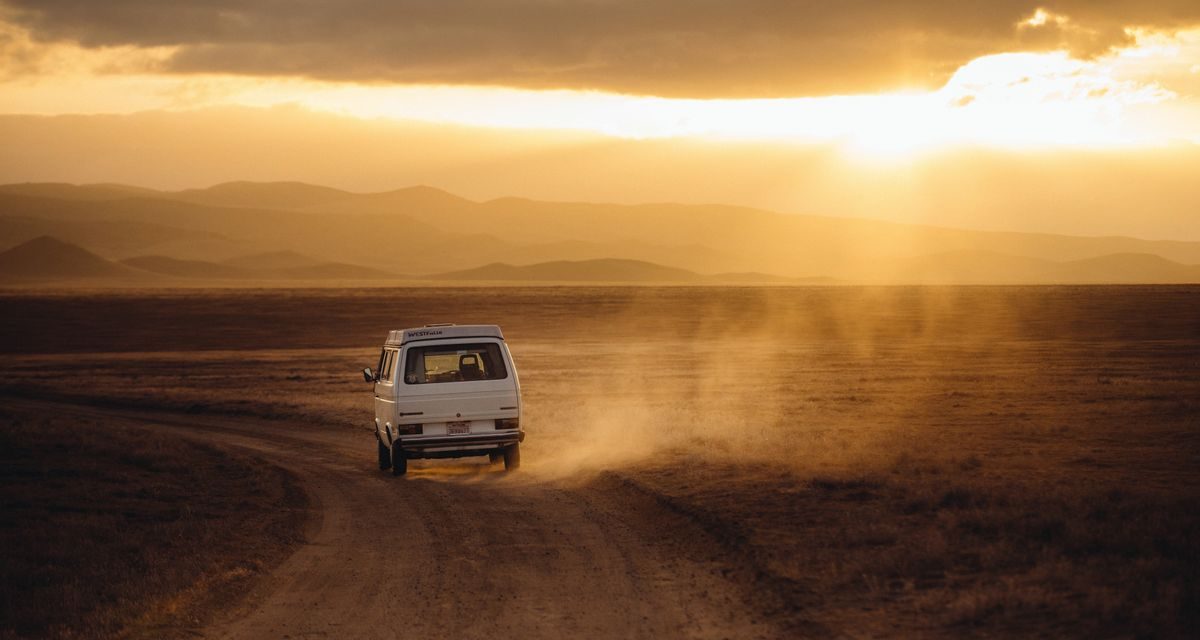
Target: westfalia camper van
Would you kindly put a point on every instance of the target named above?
(446, 391)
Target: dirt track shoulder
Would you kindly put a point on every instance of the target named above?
(111, 528)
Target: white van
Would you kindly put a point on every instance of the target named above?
(446, 391)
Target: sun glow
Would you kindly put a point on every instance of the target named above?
(1006, 100)
(1137, 96)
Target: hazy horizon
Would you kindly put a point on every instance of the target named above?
(140, 190)
(1053, 117)
(57, 230)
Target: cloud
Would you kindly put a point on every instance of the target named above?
(24, 59)
(696, 48)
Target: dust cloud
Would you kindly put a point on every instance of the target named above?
(828, 378)
(812, 378)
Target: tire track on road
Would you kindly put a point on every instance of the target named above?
(465, 551)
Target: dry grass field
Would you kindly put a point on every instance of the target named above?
(904, 462)
(108, 529)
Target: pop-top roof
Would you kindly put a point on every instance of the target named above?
(443, 332)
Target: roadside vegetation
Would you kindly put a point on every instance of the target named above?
(110, 530)
(948, 549)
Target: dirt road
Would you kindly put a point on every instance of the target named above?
(463, 550)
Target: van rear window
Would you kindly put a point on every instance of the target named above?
(454, 363)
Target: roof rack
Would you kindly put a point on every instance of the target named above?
(444, 331)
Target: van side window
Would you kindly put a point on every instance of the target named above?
(454, 363)
(389, 362)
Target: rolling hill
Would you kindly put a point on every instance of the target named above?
(422, 230)
(949, 268)
(50, 258)
(987, 267)
(606, 270)
(200, 269)
(612, 270)
(273, 260)
(120, 239)
(260, 195)
(1128, 268)
(86, 192)
(330, 271)
(186, 268)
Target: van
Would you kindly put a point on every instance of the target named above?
(446, 391)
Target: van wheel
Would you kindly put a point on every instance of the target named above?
(385, 456)
(495, 457)
(399, 462)
(512, 457)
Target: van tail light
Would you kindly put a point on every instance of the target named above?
(409, 429)
(508, 423)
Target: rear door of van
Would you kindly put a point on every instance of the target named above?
(460, 381)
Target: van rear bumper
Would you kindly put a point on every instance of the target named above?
(471, 444)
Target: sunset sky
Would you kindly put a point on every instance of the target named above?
(1070, 116)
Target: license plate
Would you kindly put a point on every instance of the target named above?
(457, 428)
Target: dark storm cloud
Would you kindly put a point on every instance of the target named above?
(666, 47)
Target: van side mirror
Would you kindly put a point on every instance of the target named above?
(367, 375)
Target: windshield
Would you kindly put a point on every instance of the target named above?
(454, 363)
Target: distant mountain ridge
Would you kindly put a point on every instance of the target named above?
(273, 260)
(47, 258)
(603, 270)
(185, 268)
(429, 232)
(610, 270)
(260, 195)
(985, 267)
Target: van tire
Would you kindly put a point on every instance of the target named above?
(399, 462)
(512, 457)
(385, 457)
(495, 457)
